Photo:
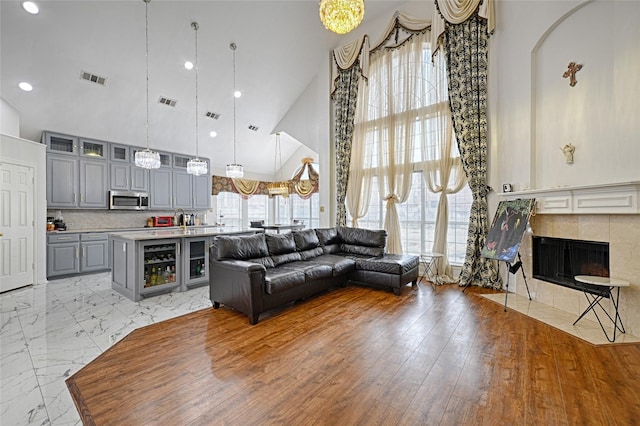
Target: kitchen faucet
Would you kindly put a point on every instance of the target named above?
(182, 219)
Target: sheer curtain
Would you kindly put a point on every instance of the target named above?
(396, 91)
(441, 165)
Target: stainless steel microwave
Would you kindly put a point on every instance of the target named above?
(128, 200)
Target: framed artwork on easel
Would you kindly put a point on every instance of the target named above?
(507, 229)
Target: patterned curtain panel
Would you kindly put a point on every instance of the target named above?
(345, 97)
(465, 47)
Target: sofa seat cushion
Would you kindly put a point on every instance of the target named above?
(278, 280)
(397, 264)
(341, 265)
(310, 254)
(312, 270)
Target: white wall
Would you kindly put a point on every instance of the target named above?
(310, 119)
(32, 154)
(9, 119)
(534, 111)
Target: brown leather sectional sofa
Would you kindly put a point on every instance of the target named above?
(259, 272)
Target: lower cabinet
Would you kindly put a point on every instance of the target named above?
(196, 265)
(75, 253)
(143, 268)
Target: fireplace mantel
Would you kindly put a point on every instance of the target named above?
(614, 198)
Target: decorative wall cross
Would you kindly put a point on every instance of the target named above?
(571, 73)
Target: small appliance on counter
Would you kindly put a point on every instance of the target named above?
(58, 222)
(162, 221)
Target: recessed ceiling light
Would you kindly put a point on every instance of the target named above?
(25, 86)
(188, 65)
(213, 133)
(237, 94)
(30, 7)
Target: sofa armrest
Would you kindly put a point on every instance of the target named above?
(238, 284)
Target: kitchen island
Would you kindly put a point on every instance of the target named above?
(148, 263)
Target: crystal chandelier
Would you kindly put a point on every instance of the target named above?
(341, 16)
(282, 187)
(196, 166)
(234, 170)
(146, 158)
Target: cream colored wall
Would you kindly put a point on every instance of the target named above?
(623, 234)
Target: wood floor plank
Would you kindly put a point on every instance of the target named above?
(359, 356)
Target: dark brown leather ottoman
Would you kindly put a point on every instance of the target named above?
(392, 271)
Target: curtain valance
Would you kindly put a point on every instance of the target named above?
(305, 188)
(457, 12)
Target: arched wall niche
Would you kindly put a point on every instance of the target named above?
(599, 115)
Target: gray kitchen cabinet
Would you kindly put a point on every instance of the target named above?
(62, 181)
(182, 189)
(196, 265)
(93, 184)
(94, 252)
(199, 186)
(63, 254)
(96, 150)
(160, 189)
(74, 253)
(128, 177)
(119, 152)
(60, 144)
(145, 268)
(202, 192)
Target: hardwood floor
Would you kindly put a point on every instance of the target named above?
(358, 356)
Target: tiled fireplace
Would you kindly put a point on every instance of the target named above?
(621, 231)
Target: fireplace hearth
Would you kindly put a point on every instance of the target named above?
(559, 260)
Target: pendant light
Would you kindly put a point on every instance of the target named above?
(281, 187)
(147, 159)
(196, 166)
(234, 170)
(341, 16)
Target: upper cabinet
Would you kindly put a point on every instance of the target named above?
(96, 150)
(81, 172)
(60, 144)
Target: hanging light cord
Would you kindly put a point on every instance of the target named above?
(233, 47)
(146, 15)
(195, 26)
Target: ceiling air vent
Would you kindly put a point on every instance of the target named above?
(167, 101)
(93, 78)
(213, 115)
(252, 127)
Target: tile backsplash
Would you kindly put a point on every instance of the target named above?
(79, 220)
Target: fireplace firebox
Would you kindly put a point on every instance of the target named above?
(559, 260)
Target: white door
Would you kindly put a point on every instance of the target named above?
(16, 226)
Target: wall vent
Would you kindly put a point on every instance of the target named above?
(93, 78)
(252, 127)
(213, 115)
(167, 101)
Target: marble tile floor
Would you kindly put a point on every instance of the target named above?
(586, 329)
(49, 331)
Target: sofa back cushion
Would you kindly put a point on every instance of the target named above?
(307, 244)
(362, 237)
(241, 247)
(306, 239)
(282, 248)
(329, 240)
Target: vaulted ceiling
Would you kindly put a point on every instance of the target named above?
(281, 46)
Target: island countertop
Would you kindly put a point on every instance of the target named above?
(157, 234)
